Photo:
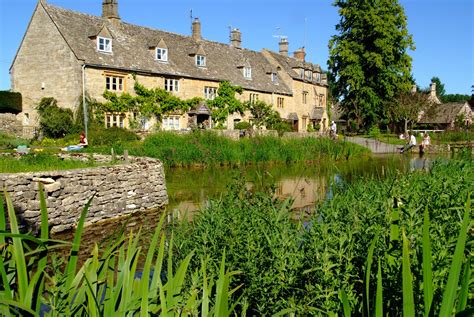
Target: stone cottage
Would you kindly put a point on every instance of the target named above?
(65, 53)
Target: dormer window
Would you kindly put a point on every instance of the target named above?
(301, 72)
(247, 72)
(318, 77)
(200, 60)
(104, 44)
(309, 75)
(275, 78)
(162, 54)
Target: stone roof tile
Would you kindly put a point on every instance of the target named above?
(131, 51)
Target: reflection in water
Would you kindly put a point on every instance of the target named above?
(191, 189)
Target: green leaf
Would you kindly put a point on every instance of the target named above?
(449, 294)
(427, 273)
(379, 296)
(407, 280)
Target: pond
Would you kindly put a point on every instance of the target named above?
(307, 184)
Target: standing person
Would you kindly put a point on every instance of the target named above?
(333, 130)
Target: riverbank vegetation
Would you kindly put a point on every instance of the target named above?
(400, 245)
(209, 149)
(325, 265)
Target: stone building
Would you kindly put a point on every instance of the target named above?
(65, 53)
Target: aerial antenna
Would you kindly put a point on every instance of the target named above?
(279, 36)
(191, 17)
(305, 22)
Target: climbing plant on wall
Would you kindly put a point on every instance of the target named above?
(225, 103)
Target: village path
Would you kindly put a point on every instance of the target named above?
(374, 145)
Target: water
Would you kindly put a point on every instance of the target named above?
(189, 189)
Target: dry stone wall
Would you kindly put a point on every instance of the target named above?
(119, 190)
(10, 124)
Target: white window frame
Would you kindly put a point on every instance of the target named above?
(115, 120)
(200, 60)
(210, 93)
(310, 75)
(161, 54)
(253, 98)
(171, 85)
(114, 83)
(318, 77)
(170, 123)
(305, 97)
(275, 78)
(105, 43)
(248, 72)
(301, 73)
(280, 102)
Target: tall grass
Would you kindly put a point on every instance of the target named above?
(40, 162)
(207, 148)
(109, 283)
(375, 247)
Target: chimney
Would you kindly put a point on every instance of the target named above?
(235, 38)
(196, 29)
(110, 10)
(283, 46)
(300, 54)
(433, 90)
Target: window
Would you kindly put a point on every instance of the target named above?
(172, 85)
(253, 98)
(321, 100)
(114, 83)
(171, 123)
(104, 44)
(309, 75)
(275, 78)
(26, 119)
(114, 120)
(280, 102)
(304, 123)
(210, 93)
(302, 73)
(162, 54)
(248, 72)
(305, 97)
(318, 77)
(200, 60)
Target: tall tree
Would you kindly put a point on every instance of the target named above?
(368, 62)
(407, 107)
(440, 91)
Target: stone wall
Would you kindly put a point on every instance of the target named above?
(10, 125)
(119, 190)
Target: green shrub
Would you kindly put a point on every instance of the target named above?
(282, 127)
(374, 132)
(111, 136)
(55, 122)
(242, 125)
(10, 102)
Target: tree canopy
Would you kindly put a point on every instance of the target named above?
(369, 64)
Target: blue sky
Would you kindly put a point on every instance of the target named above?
(443, 30)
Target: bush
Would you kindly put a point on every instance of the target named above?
(111, 136)
(10, 102)
(55, 122)
(374, 132)
(282, 127)
(242, 125)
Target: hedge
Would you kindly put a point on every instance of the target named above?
(10, 102)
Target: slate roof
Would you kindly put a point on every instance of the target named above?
(443, 113)
(132, 52)
(317, 113)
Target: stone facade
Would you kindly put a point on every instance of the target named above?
(9, 124)
(118, 190)
(45, 66)
(59, 43)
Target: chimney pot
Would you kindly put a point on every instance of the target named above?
(235, 38)
(300, 54)
(283, 46)
(196, 29)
